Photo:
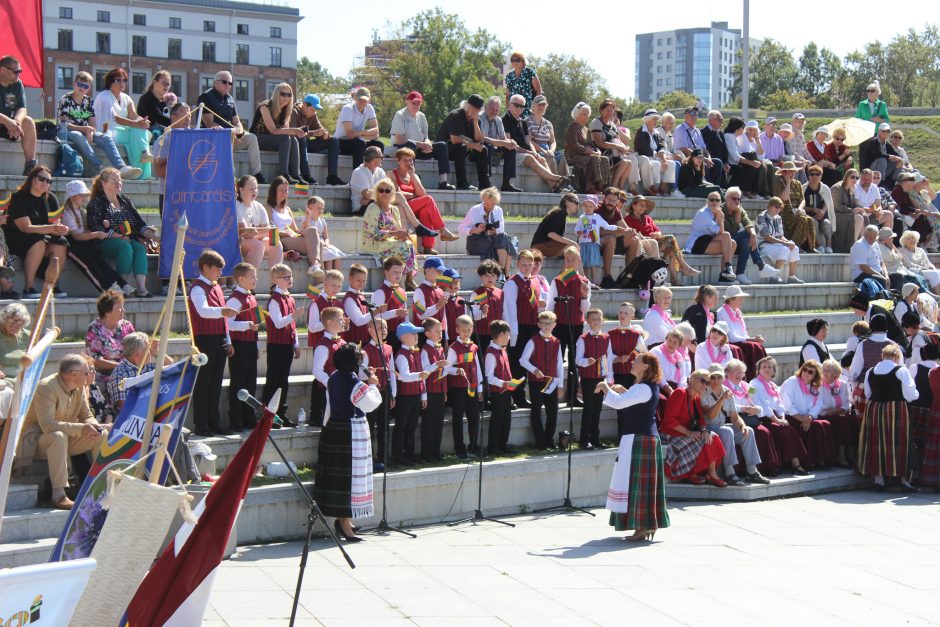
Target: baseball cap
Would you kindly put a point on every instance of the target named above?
(770, 120)
(363, 92)
(434, 262)
(452, 273)
(407, 327)
(313, 100)
(415, 95)
(798, 116)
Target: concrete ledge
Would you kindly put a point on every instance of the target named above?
(833, 480)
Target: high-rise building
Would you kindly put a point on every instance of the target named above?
(695, 60)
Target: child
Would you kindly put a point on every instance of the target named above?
(333, 322)
(209, 317)
(329, 254)
(354, 305)
(328, 297)
(570, 297)
(243, 331)
(542, 359)
(377, 358)
(451, 308)
(393, 296)
(411, 394)
(487, 301)
(464, 385)
(625, 344)
(429, 299)
(539, 259)
(283, 348)
(522, 300)
(590, 356)
(432, 413)
(498, 375)
(588, 229)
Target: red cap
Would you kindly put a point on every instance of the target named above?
(415, 95)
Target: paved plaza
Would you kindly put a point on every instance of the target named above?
(851, 558)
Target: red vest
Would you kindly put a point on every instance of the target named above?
(331, 346)
(246, 313)
(501, 371)
(526, 312)
(623, 342)
(392, 322)
(288, 335)
(322, 302)
(545, 356)
(431, 296)
(594, 346)
(494, 311)
(561, 308)
(214, 298)
(356, 334)
(435, 384)
(378, 361)
(410, 388)
(451, 311)
(456, 381)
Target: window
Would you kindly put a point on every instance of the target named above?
(138, 83)
(103, 43)
(64, 77)
(176, 85)
(208, 26)
(669, 54)
(275, 32)
(669, 41)
(669, 81)
(243, 29)
(99, 79)
(659, 55)
(208, 51)
(176, 23)
(207, 82)
(241, 89)
(140, 19)
(139, 46)
(659, 82)
(65, 13)
(241, 54)
(659, 69)
(275, 57)
(174, 49)
(65, 39)
(104, 16)
(669, 68)
(659, 42)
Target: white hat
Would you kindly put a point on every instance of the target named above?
(798, 116)
(76, 188)
(918, 177)
(884, 126)
(908, 288)
(752, 124)
(721, 326)
(734, 291)
(786, 127)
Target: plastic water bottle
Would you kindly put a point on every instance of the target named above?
(515, 242)
(302, 420)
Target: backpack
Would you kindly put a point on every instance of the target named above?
(68, 162)
(46, 129)
(642, 271)
(872, 289)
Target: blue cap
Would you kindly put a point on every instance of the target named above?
(313, 100)
(407, 327)
(434, 262)
(452, 273)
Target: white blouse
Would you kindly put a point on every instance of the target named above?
(678, 373)
(704, 358)
(812, 351)
(799, 402)
(835, 395)
(634, 396)
(252, 215)
(769, 404)
(657, 326)
(737, 330)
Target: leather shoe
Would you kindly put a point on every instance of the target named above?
(423, 231)
(446, 186)
(332, 179)
(757, 478)
(608, 283)
(467, 188)
(64, 503)
(718, 482)
(509, 187)
(287, 422)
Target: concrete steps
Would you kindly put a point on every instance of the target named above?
(27, 552)
(32, 524)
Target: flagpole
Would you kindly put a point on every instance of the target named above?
(165, 323)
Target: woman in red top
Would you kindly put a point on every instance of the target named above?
(424, 206)
(689, 448)
(636, 215)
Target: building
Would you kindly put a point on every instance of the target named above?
(192, 39)
(695, 60)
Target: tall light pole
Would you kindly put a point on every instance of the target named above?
(745, 58)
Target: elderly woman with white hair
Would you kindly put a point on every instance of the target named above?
(14, 340)
(916, 260)
(485, 229)
(898, 273)
(667, 123)
(750, 147)
(873, 108)
(656, 173)
(658, 320)
(591, 168)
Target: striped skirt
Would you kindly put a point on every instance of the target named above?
(930, 455)
(344, 469)
(884, 441)
(640, 471)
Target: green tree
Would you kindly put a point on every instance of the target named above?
(567, 80)
(784, 100)
(772, 69)
(675, 100)
(817, 69)
(313, 78)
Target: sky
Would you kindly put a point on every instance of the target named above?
(335, 36)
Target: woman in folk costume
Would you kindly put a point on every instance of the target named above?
(637, 495)
(690, 448)
(929, 474)
(868, 354)
(815, 345)
(344, 463)
(919, 410)
(743, 395)
(884, 446)
(773, 416)
(715, 349)
(802, 400)
(752, 347)
(658, 320)
(674, 360)
(837, 409)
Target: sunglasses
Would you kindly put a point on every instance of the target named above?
(815, 173)
(516, 105)
(15, 71)
(43, 179)
(385, 191)
(285, 94)
(714, 200)
(873, 91)
(225, 82)
(83, 85)
(854, 178)
(120, 80)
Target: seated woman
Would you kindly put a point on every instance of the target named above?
(690, 448)
(750, 146)
(814, 348)
(708, 237)
(423, 205)
(746, 169)
(271, 125)
(29, 232)
(115, 115)
(838, 153)
(851, 217)
(884, 443)
(692, 176)
(774, 245)
(674, 360)
(752, 347)
(700, 313)
(542, 133)
(819, 151)
(636, 216)
(607, 138)
(14, 340)
(802, 401)
(485, 229)
(797, 226)
(916, 260)
(155, 103)
(787, 441)
(83, 244)
(656, 171)
(817, 204)
(743, 396)
(383, 233)
(715, 349)
(591, 167)
(281, 217)
(549, 237)
(898, 274)
(836, 406)
(329, 254)
(113, 213)
(254, 228)
(658, 320)
(105, 334)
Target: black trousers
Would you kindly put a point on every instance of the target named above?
(483, 342)
(544, 432)
(438, 152)
(432, 427)
(207, 392)
(568, 334)
(317, 405)
(591, 413)
(458, 153)
(526, 333)
(318, 146)
(377, 426)
(280, 358)
(626, 380)
(87, 257)
(509, 162)
(461, 403)
(407, 412)
(356, 148)
(500, 421)
(242, 373)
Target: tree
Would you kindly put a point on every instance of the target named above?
(313, 78)
(567, 80)
(772, 69)
(675, 100)
(817, 69)
(784, 100)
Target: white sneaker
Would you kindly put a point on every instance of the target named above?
(795, 279)
(743, 280)
(129, 173)
(829, 250)
(768, 272)
(128, 289)
(677, 194)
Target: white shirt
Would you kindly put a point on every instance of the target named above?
(234, 303)
(430, 310)
(314, 324)
(252, 215)
(741, 395)
(426, 363)
(797, 402)
(737, 331)
(277, 318)
(489, 366)
(864, 253)
(858, 360)
(867, 198)
(656, 326)
(525, 362)
(635, 395)
(405, 375)
(908, 389)
(588, 228)
(669, 371)
(831, 399)
(364, 371)
(378, 299)
(107, 107)
(351, 113)
(476, 215)
(582, 362)
(640, 348)
(769, 405)
(553, 294)
(812, 351)
(362, 178)
(510, 295)
(704, 359)
(452, 369)
(413, 128)
(320, 355)
(356, 317)
(917, 342)
(282, 219)
(200, 301)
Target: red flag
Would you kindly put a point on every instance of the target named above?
(176, 590)
(21, 30)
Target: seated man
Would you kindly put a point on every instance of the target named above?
(461, 130)
(410, 130)
(632, 243)
(494, 137)
(61, 412)
(515, 128)
(865, 258)
(687, 138)
(318, 140)
(357, 128)
(364, 178)
(220, 112)
(136, 348)
(15, 124)
(714, 138)
(877, 153)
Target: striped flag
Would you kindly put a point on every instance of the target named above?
(465, 358)
(512, 384)
(55, 216)
(567, 274)
(533, 297)
(274, 237)
(302, 190)
(444, 282)
(5, 203)
(397, 298)
(419, 307)
(261, 314)
(313, 291)
(480, 298)
(124, 228)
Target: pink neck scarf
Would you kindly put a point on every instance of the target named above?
(709, 315)
(769, 386)
(664, 314)
(737, 390)
(714, 353)
(673, 359)
(808, 391)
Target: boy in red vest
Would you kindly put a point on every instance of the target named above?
(393, 295)
(354, 305)
(569, 296)
(626, 342)
(429, 299)
(542, 359)
(452, 309)
(329, 296)
(486, 301)
(243, 331)
(377, 357)
(283, 347)
(209, 317)
(432, 412)
(522, 300)
(332, 319)
(411, 394)
(591, 359)
(465, 387)
(498, 376)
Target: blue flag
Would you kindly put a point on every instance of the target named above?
(200, 178)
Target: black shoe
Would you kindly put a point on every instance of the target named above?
(339, 532)
(467, 188)
(908, 489)
(508, 450)
(509, 187)
(29, 165)
(308, 180)
(287, 422)
(29, 293)
(219, 431)
(462, 455)
(203, 432)
(577, 403)
(878, 487)
(523, 404)
(608, 283)
(10, 295)
(260, 178)
(446, 186)
(59, 293)
(423, 231)
(332, 179)
(290, 179)
(757, 478)
(799, 471)
(378, 467)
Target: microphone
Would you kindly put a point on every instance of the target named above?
(370, 306)
(254, 403)
(461, 302)
(563, 299)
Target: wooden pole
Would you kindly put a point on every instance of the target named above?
(163, 443)
(52, 275)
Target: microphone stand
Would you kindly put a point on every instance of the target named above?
(383, 527)
(567, 505)
(478, 512)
